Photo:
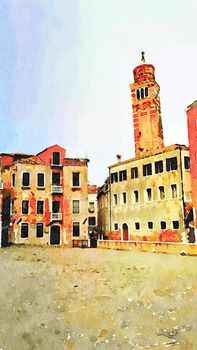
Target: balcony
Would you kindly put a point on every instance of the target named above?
(56, 216)
(56, 189)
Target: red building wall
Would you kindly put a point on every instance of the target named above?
(192, 136)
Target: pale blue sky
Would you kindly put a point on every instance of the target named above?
(66, 65)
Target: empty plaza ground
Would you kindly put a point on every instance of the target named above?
(81, 299)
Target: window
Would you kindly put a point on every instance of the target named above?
(147, 169)
(134, 173)
(136, 196)
(25, 207)
(76, 229)
(115, 199)
(75, 179)
(24, 230)
(40, 207)
(150, 225)
(138, 94)
(75, 206)
(114, 177)
(40, 180)
(142, 92)
(187, 163)
(137, 225)
(56, 158)
(146, 91)
(175, 224)
(13, 179)
(39, 230)
(171, 164)
(11, 207)
(124, 197)
(55, 206)
(174, 190)
(91, 207)
(26, 180)
(115, 226)
(159, 167)
(149, 194)
(163, 225)
(92, 221)
(56, 179)
(122, 175)
(161, 192)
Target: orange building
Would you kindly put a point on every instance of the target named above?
(45, 198)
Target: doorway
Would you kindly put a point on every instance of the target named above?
(55, 235)
(125, 232)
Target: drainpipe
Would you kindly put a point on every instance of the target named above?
(182, 187)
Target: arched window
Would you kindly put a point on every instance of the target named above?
(142, 93)
(138, 94)
(146, 92)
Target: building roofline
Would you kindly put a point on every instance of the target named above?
(152, 153)
(192, 105)
(50, 147)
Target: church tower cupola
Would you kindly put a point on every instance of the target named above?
(148, 130)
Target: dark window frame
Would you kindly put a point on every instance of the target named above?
(25, 210)
(115, 226)
(134, 172)
(136, 196)
(39, 234)
(175, 224)
(40, 207)
(13, 179)
(26, 181)
(187, 162)
(137, 226)
(76, 179)
(147, 169)
(158, 166)
(76, 208)
(55, 209)
(24, 230)
(122, 175)
(114, 177)
(56, 158)
(150, 225)
(94, 221)
(76, 229)
(56, 178)
(163, 225)
(40, 180)
(171, 164)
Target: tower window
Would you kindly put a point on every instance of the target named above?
(142, 92)
(134, 173)
(123, 175)
(114, 177)
(56, 179)
(115, 226)
(137, 225)
(147, 169)
(159, 167)
(40, 179)
(187, 163)
(171, 164)
(146, 91)
(75, 179)
(138, 94)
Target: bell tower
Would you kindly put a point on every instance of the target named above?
(148, 130)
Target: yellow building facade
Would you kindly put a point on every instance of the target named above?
(149, 194)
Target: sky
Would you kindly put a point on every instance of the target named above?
(66, 66)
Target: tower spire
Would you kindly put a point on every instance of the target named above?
(143, 57)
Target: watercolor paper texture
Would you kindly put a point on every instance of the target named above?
(98, 169)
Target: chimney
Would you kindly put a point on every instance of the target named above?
(118, 157)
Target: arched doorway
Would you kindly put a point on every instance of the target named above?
(125, 232)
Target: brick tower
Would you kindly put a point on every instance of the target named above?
(148, 131)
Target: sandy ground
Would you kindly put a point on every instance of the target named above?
(55, 298)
